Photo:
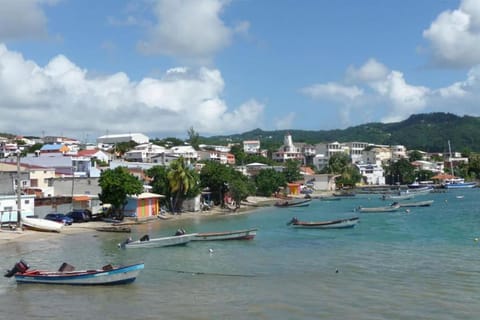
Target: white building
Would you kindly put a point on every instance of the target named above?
(372, 174)
(144, 152)
(251, 146)
(125, 137)
(356, 149)
(288, 151)
(325, 150)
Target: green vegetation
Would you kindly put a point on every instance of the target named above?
(116, 184)
(427, 132)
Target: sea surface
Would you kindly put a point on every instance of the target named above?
(422, 264)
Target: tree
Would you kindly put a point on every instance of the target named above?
(193, 138)
(214, 176)
(160, 184)
(349, 177)
(415, 155)
(183, 182)
(400, 172)
(268, 181)
(240, 187)
(116, 185)
(292, 171)
(338, 162)
(239, 154)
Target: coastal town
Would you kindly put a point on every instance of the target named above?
(62, 175)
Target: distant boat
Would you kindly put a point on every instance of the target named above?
(247, 234)
(107, 275)
(147, 242)
(294, 203)
(397, 196)
(391, 208)
(425, 203)
(124, 229)
(456, 183)
(332, 224)
(38, 224)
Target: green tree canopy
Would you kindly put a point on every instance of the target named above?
(160, 184)
(116, 185)
(215, 176)
(292, 171)
(268, 181)
(183, 182)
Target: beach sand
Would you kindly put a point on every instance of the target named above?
(247, 206)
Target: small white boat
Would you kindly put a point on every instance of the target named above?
(391, 208)
(247, 234)
(147, 242)
(332, 224)
(107, 275)
(41, 224)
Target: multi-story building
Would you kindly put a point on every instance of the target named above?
(372, 174)
(288, 151)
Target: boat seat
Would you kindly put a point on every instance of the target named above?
(66, 267)
(107, 267)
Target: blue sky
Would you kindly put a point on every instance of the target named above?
(87, 68)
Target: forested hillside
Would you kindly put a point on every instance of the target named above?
(428, 132)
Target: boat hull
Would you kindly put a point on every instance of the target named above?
(335, 224)
(161, 242)
(379, 209)
(116, 276)
(426, 203)
(41, 225)
(460, 185)
(293, 203)
(228, 235)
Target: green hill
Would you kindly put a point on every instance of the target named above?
(428, 132)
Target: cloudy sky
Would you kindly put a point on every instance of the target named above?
(87, 68)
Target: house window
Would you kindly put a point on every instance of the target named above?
(34, 182)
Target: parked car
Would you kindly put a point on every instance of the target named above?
(80, 215)
(60, 218)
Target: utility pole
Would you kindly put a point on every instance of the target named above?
(19, 191)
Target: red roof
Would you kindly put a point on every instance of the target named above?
(86, 153)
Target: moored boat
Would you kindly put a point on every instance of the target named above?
(458, 183)
(294, 203)
(124, 229)
(332, 224)
(147, 242)
(391, 208)
(247, 234)
(38, 224)
(425, 203)
(106, 275)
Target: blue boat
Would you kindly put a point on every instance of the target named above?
(107, 275)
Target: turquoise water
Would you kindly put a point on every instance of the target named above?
(417, 265)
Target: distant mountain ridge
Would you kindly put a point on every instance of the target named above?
(429, 132)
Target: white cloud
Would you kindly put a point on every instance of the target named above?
(190, 29)
(22, 19)
(332, 91)
(455, 36)
(379, 94)
(62, 98)
(404, 99)
(371, 71)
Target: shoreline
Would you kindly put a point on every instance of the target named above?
(248, 206)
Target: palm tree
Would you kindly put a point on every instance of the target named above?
(182, 181)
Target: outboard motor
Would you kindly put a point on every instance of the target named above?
(21, 266)
(122, 245)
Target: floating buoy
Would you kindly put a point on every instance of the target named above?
(476, 239)
(210, 250)
(407, 210)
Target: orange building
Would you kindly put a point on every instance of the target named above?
(143, 206)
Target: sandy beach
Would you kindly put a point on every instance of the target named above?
(247, 206)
